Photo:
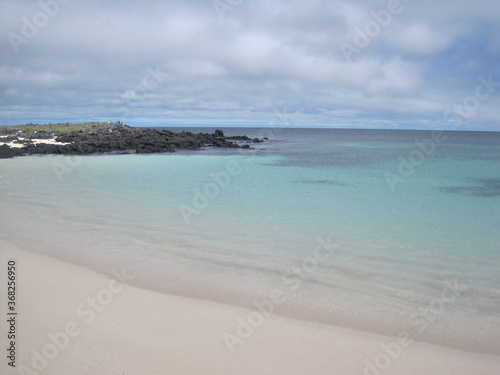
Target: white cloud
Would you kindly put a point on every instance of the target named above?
(262, 55)
(397, 77)
(419, 39)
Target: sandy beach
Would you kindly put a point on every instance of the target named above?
(72, 320)
(51, 141)
(234, 187)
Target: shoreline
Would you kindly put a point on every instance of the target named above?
(171, 274)
(140, 331)
(101, 138)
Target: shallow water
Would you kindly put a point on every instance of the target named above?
(400, 214)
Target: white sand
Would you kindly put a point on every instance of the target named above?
(143, 332)
(12, 144)
(51, 141)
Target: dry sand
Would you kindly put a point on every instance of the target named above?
(51, 141)
(101, 326)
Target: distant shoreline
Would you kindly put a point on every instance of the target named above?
(106, 137)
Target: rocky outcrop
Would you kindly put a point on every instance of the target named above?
(117, 137)
(244, 138)
(8, 152)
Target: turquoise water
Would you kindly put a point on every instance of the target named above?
(232, 225)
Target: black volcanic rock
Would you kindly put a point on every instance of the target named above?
(117, 137)
(244, 138)
(6, 152)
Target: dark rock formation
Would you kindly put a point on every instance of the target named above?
(244, 138)
(117, 137)
(7, 152)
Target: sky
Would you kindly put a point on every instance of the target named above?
(394, 64)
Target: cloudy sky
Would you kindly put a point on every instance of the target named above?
(368, 63)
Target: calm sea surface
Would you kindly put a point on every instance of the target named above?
(376, 230)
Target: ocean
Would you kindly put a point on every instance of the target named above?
(385, 231)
